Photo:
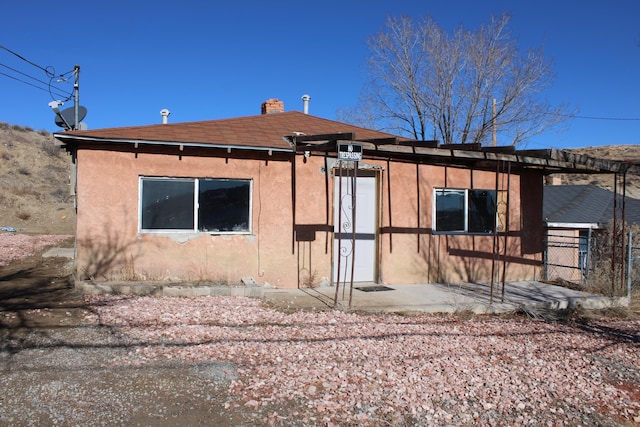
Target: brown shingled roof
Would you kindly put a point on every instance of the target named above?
(260, 131)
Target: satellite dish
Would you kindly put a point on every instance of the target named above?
(69, 115)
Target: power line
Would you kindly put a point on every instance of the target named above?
(35, 86)
(605, 118)
(49, 72)
(46, 70)
(22, 81)
(576, 116)
(48, 84)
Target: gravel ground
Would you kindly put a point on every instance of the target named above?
(16, 246)
(73, 360)
(232, 361)
(60, 369)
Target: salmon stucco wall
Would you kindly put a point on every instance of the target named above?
(313, 220)
(408, 250)
(291, 240)
(110, 246)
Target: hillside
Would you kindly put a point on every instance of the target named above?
(611, 152)
(34, 182)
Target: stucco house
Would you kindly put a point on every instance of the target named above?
(266, 197)
(574, 215)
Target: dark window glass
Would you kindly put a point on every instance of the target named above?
(449, 210)
(167, 204)
(223, 205)
(482, 211)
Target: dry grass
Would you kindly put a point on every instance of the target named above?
(34, 178)
(634, 306)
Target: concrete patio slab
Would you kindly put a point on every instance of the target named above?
(440, 298)
(60, 252)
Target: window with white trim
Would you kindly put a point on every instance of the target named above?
(195, 205)
(464, 211)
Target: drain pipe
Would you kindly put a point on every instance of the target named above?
(305, 103)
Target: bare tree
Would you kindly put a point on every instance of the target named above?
(458, 88)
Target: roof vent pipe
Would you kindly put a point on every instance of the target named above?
(305, 103)
(165, 115)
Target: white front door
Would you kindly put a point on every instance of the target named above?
(363, 254)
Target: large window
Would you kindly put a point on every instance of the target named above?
(465, 211)
(195, 204)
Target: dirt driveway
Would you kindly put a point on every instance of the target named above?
(57, 367)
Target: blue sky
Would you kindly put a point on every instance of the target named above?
(209, 60)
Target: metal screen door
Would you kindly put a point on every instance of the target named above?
(365, 229)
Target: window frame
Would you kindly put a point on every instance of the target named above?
(466, 212)
(196, 206)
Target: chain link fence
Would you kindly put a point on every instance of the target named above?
(633, 271)
(587, 258)
(568, 256)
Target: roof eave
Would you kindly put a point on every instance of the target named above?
(64, 137)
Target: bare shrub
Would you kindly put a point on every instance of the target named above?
(23, 215)
(54, 173)
(20, 189)
(128, 271)
(60, 194)
(601, 279)
(50, 149)
(21, 128)
(199, 273)
(310, 280)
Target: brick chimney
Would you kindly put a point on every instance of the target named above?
(272, 106)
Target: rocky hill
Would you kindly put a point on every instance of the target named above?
(611, 152)
(34, 179)
(34, 182)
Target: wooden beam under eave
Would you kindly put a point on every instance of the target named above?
(324, 147)
(342, 136)
(380, 141)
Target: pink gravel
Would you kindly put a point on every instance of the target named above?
(16, 246)
(337, 368)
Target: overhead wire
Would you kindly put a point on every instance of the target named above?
(22, 81)
(46, 70)
(49, 86)
(630, 119)
(66, 96)
(49, 72)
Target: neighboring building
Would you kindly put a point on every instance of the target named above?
(263, 197)
(573, 214)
